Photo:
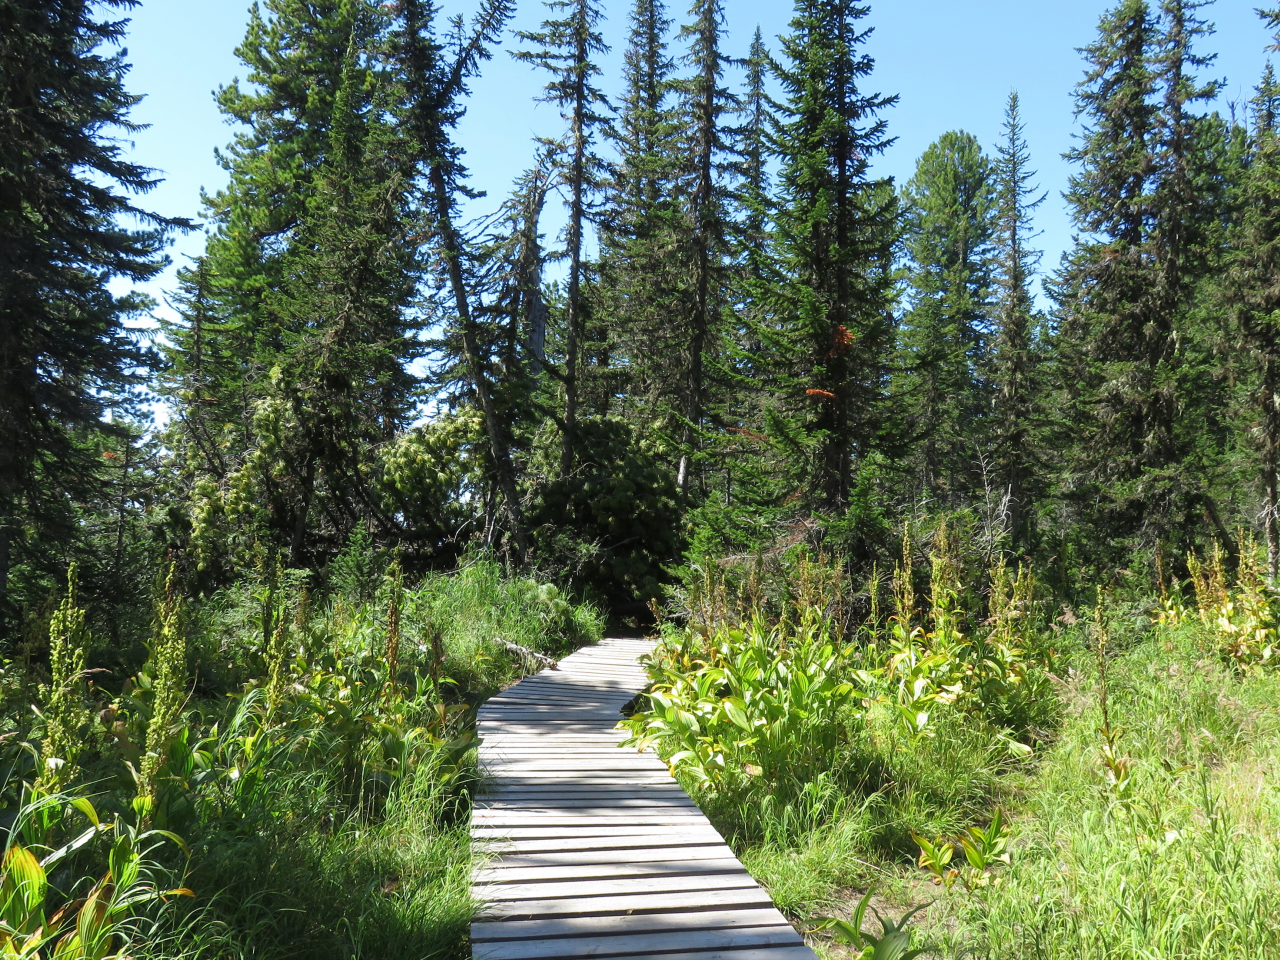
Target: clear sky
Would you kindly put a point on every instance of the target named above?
(952, 63)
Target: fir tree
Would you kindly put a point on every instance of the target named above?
(949, 228)
(65, 353)
(834, 232)
(1253, 295)
(1016, 354)
(566, 48)
(708, 211)
(643, 236)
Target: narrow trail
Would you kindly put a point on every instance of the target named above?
(597, 851)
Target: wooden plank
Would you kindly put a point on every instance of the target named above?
(499, 834)
(597, 855)
(575, 889)
(779, 935)
(640, 805)
(558, 845)
(505, 823)
(633, 903)
(602, 871)
(595, 926)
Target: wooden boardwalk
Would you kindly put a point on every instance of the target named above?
(597, 851)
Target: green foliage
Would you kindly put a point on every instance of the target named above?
(96, 921)
(743, 705)
(611, 524)
(894, 942)
(65, 716)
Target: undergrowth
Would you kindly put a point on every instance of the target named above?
(290, 768)
(1045, 783)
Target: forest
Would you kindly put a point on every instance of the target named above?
(963, 565)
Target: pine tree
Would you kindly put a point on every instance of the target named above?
(65, 353)
(950, 207)
(566, 47)
(1016, 353)
(835, 228)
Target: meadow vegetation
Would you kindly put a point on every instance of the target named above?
(1042, 779)
(286, 775)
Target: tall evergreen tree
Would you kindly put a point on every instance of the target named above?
(950, 207)
(708, 211)
(1132, 351)
(1253, 294)
(65, 353)
(642, 233)
(1016, 353)
(435, 78)
(834, 232)
(300, 332)
(566, 48)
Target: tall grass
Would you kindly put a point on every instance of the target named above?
(319, 775)
(1112, 772)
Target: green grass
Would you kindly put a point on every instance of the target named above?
(1184, 864)
(319, 775)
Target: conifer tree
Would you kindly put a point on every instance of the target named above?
(642, 234)
(434, 86)
(708, 211)
(566, 48)
(834, 232)
(1253, 294)
(751, 143)
(1016, 355)
(65, 238)
(950, 208)
(1126, 290)
(291, 364)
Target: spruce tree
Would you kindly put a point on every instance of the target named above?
(65, 240)
(950, 209)
(1253, 296)
(567, 47)
(1134, 360)
(828, 319)
(708, 212)
(642, 234)
(1016, 357)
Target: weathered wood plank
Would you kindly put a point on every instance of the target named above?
(626, 904)
(599, 871)
(594, 926)
(543, 858)
(779, 935)
(558, 845)
(595, 850)
(575, 889)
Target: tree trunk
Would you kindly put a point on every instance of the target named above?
(1270, 450)
(577, 174)
(494, 426)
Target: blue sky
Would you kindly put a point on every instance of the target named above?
(952, 63)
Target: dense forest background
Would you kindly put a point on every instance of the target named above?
(741, 340)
